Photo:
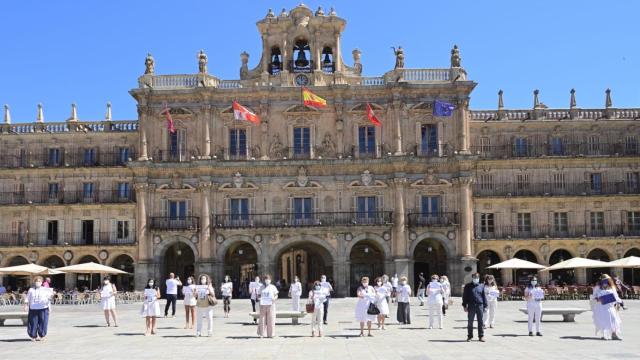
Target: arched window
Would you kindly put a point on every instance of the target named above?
(301, 54)
(328, 64)
(275, 65)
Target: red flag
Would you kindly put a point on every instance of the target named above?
(170, 125)
(242, 113)
(372, 116)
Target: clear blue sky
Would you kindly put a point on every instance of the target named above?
(89, 52)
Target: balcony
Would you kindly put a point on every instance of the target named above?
(549, 231)
(432, 219)
(439, 151)
(165, 223)
(550, 189)
(67, 158)
(67, 239)
(174, 156)
(285, 220)
(66, 197)
(507, 151)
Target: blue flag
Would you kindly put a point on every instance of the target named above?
(441, 108)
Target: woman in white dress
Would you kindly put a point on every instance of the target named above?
(382, 293)
(491, 292)
(203, 306)
(446, 286)
(317, 296)
(151, 306)
(366, 296)
(605, 310)
(295, 291)
(534, 296)
(108, 301)
(227, 293)
(435, 299)
(189, 293)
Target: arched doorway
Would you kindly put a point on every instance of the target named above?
(180, 260)
(632, 276)
(594, 274)
(88, 281)
(367, 259)
(307, 260)
(487, 258)
(561, 277)
(123, 282)
(430, 257)
(54, 262)
(241, 263)
(17, 282)
(523, 275)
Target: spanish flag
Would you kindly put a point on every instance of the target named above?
(312, 99)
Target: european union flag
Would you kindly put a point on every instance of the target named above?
(441, 108)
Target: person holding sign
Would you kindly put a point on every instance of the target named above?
(151, 306)
(189, 292)
(108, 301)
(534, 295)
(267, 295)
(366, 310)
(205, 301)
(317, 297)
(491, 292)
(605, 311)
(254, 288)
(38, 303)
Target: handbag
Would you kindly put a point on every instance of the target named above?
(310, 307)
(211, 300)
(373, 309)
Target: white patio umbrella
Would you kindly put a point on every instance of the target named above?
(29, 269)
(91, 268)
(516, 263)
(628, 262)
(578, 263)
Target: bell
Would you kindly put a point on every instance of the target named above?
(276, 61)
(327, 60)
(302, 61)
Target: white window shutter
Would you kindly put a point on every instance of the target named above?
(61, 234)
(164, 135)
(76, 230)
(188, 206)
(379, 202)
(164, 207)
(96, 231)
(132, 229)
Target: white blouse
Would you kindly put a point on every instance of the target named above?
(404, 293)
(268, 295)
(226, 288)
(296, 289)
(39, 298)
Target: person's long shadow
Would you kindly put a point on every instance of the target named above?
(413, 328)
(580, 338)
(129, 334)
(178, 336)
(293, 336)
(509, 335)
(242, 337)
(448, 341)
(88, 326)
(343, 336)
(15, 340)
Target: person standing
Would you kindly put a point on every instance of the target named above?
(295, 291)
(421, 288)
(47, 283)
(254, 289)
(404, 294)
(227, 292)
(151, 306)
(205, 300)
(366, 296)
(605, 312)
(268, 295)
(328, 289)
(317, 297)
(172, 294)
(382, 293)
(534, 296)
(474, 303)
(37, 304)
(446, 286)
(190, 302)
(491, 292)
(386, 283)
(108, 301)
(435, 299)
(394, 287)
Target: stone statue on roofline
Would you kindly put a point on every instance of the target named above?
(202, 62)
(456, 61)
(149, 64)
(399, 53)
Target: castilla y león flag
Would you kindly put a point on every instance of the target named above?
(312, 99)
(242, 113)
(372, 116)
(170, 125)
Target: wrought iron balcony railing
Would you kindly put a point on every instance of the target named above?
(554, 189)
(282, 220)
(582, 149)
(167, 223)
(67, 239)
(67, 197)
(551, 231)
(432, 219)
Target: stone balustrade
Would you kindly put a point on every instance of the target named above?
(554, 114)
(66, 127)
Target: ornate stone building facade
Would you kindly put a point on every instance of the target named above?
(311, 191)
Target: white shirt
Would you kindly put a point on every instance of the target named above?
(39, 298)
(188, 292)
(435, 293)
(326, 287)
(404, 293)
(381, 293)
(150, 295)
(254, 287)
(226, 288)
(296, 289)
(491, 292)
(268, 294)
(536, 293)
(107, 291)
(318, 297)
(172, 286)
(394, 281)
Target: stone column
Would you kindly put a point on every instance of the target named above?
(399, 230)
(142, 117)
(339, 129)
(580, 276)
(206, 112)
(397, 105)
(462, 113)
(466, 216)
(337, 57)
(205, 222)
(143, 258)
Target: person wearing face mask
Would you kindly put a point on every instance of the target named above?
(534, 296)
(37, 303)
(172, 294)
(404, 295)
(254, 288)
(108, 301)
(205, 300)
(366, 296)
(227, 291)
(394, 287)
(474, 302)
(151, 307)
(189, 292)
(328, 289)
(446, 286)
(491, 292)
(421, 288)
(317, 296)
(386, 283)
(435, 299)
(382, 292)
(295, 291)
(267, 296)
(605, 311)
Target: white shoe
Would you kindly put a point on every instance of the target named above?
(198, 334)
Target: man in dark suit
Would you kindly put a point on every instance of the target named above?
(474, 302)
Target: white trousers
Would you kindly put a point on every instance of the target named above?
(316, 319)
(435, 311)
(295, 302)
(202, 312)
(490, 313)
(534, 308)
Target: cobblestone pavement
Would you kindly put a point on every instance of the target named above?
(79, 332)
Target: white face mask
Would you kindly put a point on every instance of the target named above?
(267, 282)
(365, 284)
(106, 282)
(150, 283)
(189, 281)
(257, 280)
(403, 283)
(38, 284)
(203, 281)
(379, 283)
(323, 279)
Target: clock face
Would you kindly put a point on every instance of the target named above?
(302, 80)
